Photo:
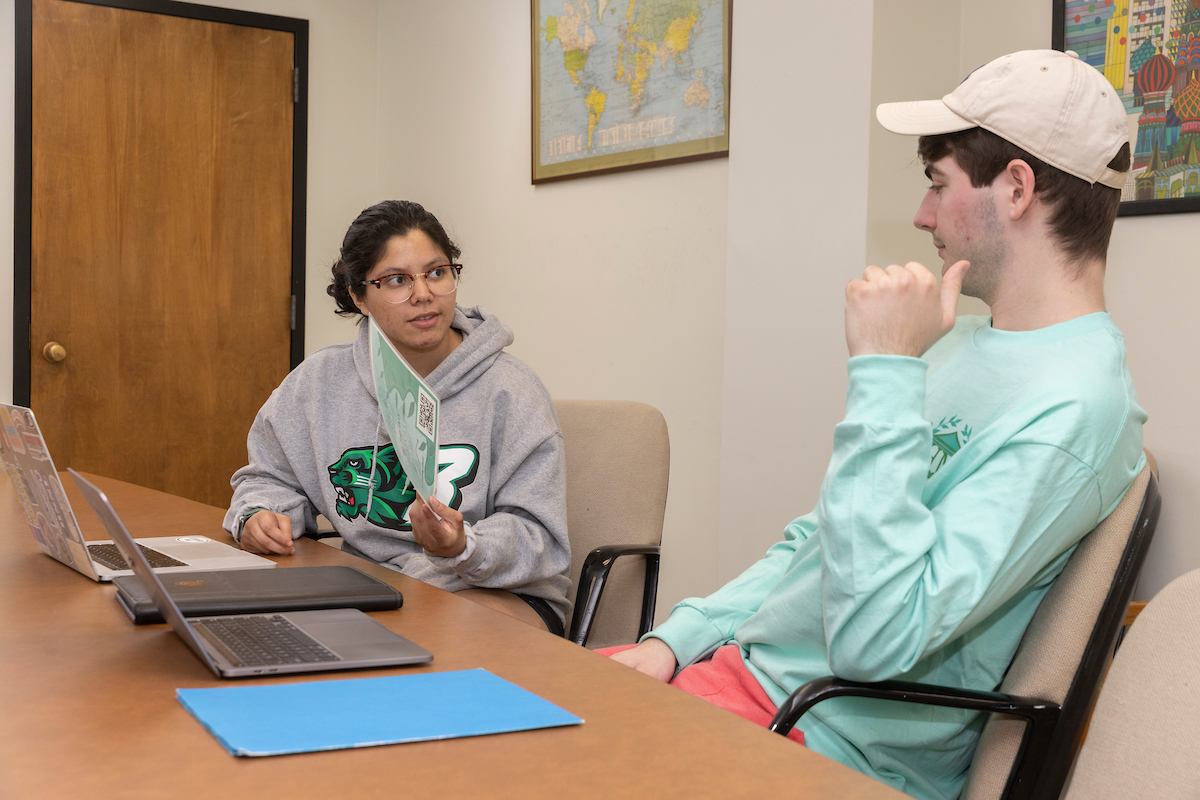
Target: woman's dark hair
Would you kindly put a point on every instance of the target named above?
(1081, 214)
(367, 240)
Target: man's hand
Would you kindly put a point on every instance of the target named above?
(900, 311)
(443, 537)
(269, 533)
(652, 657)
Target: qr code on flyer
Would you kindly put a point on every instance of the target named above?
(425, 414)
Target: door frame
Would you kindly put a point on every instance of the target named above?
(23, 167)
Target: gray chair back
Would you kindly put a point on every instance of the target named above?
(1145, 732)
(618, 459)
(1049, 657)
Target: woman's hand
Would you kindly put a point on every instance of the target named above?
(443, 537)
(269, 533)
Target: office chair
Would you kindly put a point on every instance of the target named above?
(618, 459)
(1145, 731)
(1039, 714)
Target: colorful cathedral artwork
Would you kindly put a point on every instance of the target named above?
(1149, 50)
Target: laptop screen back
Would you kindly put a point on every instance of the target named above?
(47, 510)
(141, 567)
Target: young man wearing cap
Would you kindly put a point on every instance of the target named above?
(975, 453)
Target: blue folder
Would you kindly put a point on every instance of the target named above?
(364, 712)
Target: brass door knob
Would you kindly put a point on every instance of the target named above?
(54, 352)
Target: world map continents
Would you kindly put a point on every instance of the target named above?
(619, 83)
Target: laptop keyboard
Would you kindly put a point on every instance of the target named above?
(263, 640)
(110, 556)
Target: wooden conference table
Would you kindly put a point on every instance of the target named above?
(87, 700)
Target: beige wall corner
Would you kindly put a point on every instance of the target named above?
(612, 284)
(797, 224)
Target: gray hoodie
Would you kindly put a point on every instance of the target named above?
(314, 443)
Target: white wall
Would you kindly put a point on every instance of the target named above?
(612, 284)
(989, 30)
(1152, 290)
(797, 225)
(912, 58)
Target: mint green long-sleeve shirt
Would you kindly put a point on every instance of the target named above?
(960, 483)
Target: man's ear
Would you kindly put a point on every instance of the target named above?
(1016, 186)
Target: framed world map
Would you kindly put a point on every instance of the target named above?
(626, 84)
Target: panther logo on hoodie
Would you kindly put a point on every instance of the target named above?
(351, 476)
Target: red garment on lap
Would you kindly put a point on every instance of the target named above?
(724, 681)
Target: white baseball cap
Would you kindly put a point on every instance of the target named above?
(1046, 102)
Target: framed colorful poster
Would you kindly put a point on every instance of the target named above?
(626, 85)
(1150, 52)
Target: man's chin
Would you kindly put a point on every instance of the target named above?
(976, 289)
(947, 261)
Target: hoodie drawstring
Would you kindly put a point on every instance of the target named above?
(374, 458)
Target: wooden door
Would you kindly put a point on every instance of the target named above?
(161, 240)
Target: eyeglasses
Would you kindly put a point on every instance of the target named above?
(398, 287)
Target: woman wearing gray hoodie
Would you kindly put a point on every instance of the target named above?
(318, 445)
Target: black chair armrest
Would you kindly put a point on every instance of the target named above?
(325, 530)
(1040, 716)
(813, 692)
(594, 575)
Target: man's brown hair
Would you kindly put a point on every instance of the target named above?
(1081, 214)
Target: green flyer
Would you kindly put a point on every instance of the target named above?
(410, 413)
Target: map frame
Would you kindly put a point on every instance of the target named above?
(636, 158)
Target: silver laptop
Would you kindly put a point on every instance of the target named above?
(244, 645)
(23, 451)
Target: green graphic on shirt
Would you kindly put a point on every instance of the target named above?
(949, 436)
(351, 479)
